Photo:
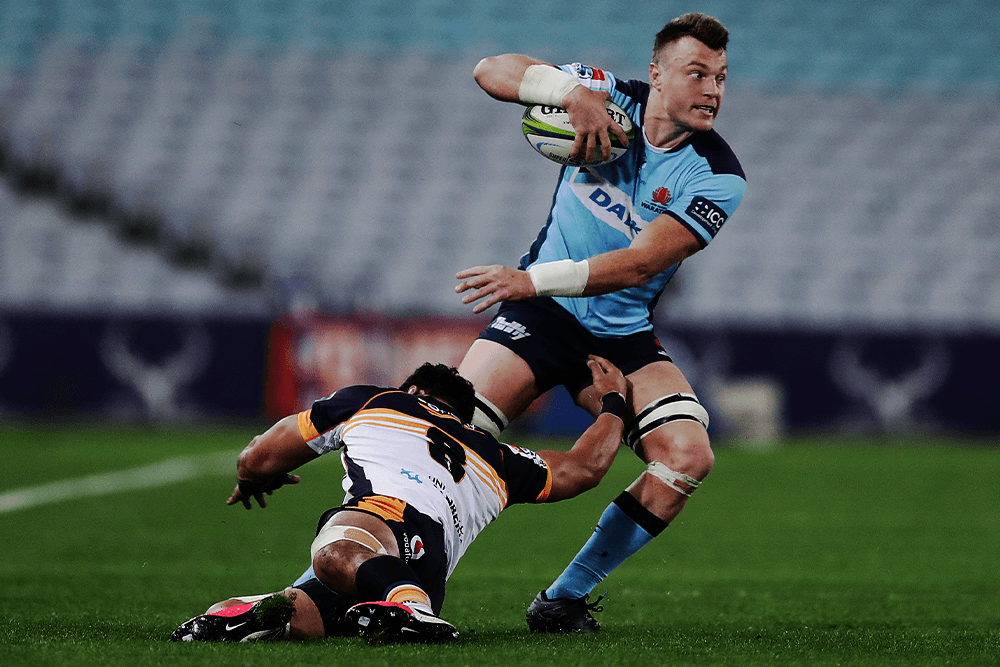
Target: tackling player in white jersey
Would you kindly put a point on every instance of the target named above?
(421, 483)
(615, 235)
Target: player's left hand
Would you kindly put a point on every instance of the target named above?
(247, 489)
(592, 124)
(606, 376)
(493, 284)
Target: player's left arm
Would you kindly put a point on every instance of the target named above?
(691, 223)
(661, 244)
(586, 463)
(264, 465)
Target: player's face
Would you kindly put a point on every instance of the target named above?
(691, 80)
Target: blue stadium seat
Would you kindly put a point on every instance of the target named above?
(348, 145)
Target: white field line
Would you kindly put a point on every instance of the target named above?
(133, 479)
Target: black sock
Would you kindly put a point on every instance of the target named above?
(377, 576)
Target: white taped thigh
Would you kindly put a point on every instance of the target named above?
(662, 411)
(488, 416)
(331, 533)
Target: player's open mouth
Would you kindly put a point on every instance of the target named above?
(707, 109)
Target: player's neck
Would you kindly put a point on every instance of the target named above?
(664, 134)
(659, 127)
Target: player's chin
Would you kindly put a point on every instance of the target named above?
(702, 122)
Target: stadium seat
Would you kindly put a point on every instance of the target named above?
(326, 142)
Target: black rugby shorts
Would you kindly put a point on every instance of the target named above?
(555, 345)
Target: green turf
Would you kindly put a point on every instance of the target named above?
(820, 553)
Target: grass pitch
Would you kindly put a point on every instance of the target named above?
(824, 552)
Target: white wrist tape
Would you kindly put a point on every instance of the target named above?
(544, 84)
(561, 278)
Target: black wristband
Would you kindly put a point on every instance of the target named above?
(614, 403)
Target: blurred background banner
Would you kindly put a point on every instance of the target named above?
(311, 355)
(220, 171)
(758, 384)
(150, 368)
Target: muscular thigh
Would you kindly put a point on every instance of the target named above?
(528, 348)
(649, 383)
(374, 525)
(500, 375)
(655, 380)
(671, 443)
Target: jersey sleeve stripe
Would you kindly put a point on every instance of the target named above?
(306, 428)
(544, 494)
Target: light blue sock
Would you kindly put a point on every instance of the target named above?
(305, 576)
(616, 537)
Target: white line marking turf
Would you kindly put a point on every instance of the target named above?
(144, 477)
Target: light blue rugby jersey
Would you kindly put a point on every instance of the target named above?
(598, 209)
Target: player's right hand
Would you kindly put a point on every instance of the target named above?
(493, 284)
(592, 124)
(606, 376)
(247, 489)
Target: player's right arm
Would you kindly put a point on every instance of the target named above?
(521, 79)
(661, 244)
(264, 465)
(583, 466)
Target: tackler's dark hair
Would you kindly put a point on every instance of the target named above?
(444, 382)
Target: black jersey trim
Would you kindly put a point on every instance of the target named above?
(720, 157)
(688, 226)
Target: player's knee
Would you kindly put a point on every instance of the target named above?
(674, 431)
(684, 449)
(682, 467)
(694, 454)
(336, 564)
(700, 460)
(327, 563)
(339, 549)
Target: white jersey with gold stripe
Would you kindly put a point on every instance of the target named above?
(415, 449)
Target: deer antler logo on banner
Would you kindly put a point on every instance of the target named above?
(157, 384)
(891, 399)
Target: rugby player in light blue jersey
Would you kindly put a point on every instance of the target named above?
(615, 235)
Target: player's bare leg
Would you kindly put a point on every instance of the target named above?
(500, 377)
(336, 563)
(678, 455)
(355, 554)
(354, 538)
(270, 617)
(682, 446)
(306, 622)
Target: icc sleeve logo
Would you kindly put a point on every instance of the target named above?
(710, 215)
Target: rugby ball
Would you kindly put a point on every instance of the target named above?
(549, 132)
